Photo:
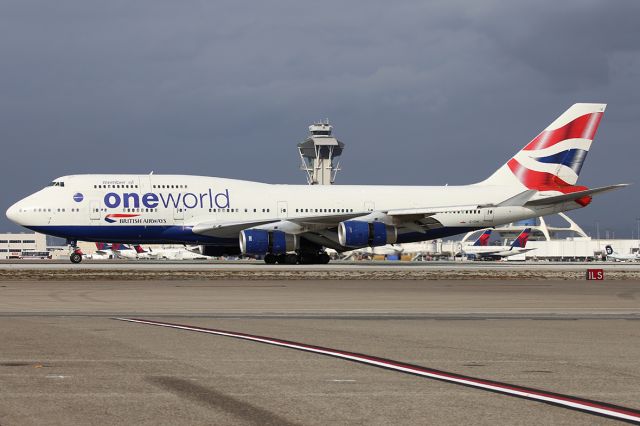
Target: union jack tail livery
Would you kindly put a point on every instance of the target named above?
(552, 160)
(483, 240)
(521, 240)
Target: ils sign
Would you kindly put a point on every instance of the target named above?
(595, 274)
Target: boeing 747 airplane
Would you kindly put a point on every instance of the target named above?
(295, 223)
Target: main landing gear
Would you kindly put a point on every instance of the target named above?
(304, 258)
(75, 255)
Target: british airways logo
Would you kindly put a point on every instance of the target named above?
(112, 218)
(186, 200)
(78, 197)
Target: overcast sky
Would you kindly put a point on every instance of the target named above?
(421, 92)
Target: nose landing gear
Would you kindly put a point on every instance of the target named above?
(75, 255)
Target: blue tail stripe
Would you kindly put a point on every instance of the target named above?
(572, 158)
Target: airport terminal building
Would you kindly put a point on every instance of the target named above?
(20, 245)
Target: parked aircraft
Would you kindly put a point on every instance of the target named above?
(498, 252)
(294, 223)
(617, 257)
(103, 252)
(123, 251)
(173, 253)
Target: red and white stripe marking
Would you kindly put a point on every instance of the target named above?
(567, 401)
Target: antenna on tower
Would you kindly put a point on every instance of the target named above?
(318, 153)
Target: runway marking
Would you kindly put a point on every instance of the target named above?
(567, 401)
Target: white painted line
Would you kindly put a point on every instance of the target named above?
(566, 401)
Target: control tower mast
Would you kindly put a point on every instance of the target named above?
(318, 152)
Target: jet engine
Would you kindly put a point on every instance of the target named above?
(355, 233)
(260, 242)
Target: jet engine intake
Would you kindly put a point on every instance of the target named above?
(355, 233)
(261, 242)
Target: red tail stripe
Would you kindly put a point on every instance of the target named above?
(582, 127)
(541, 181)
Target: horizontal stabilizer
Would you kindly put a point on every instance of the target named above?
(574, 195)
(519, 199)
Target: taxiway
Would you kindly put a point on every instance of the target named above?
(65, 360)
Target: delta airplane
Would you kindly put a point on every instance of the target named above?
(481, 249)
(123, 251)
(178, 253)
(103, 252)
(617, 257)
(295, 223)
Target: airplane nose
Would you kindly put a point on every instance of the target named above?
(12, 213)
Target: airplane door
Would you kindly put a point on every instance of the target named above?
(178, 213)
(369, 206)
(94, 213)
(488, 215)
(283, 212)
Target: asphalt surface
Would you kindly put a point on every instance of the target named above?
(255, 265)
(65, 360)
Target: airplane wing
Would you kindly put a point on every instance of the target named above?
(231, 229)
(322, 230)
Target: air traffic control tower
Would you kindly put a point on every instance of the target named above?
(318, 153)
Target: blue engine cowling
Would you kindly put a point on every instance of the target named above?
(355, 233)
(261, 242)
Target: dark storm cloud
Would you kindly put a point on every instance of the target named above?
(422, 93)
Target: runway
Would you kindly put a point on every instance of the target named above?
(253, 265)
(64, 360)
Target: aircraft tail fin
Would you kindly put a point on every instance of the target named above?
(139, 249)
(552, 160)
(521, 240)
(609, 250)
(483, 240)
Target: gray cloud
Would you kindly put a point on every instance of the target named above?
(422, 93)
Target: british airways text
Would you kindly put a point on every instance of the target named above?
(187, 200)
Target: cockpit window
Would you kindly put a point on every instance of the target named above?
(56, 184)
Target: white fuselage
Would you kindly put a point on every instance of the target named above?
(616, 257)
(493, 251)
(165, 208)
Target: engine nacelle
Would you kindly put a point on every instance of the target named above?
(355, 233)
(260, 242)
